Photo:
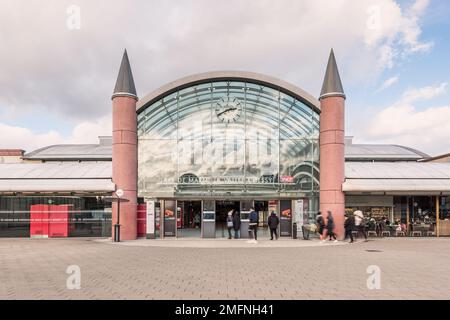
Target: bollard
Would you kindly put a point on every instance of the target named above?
(117, 233)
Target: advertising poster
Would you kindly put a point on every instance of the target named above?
(299, 212)
(285, 218)
(150, 217)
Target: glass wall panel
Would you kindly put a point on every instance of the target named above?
(261, 111)
(228, 136)
(160, 121)
(296, 165)
(196, 99)
(158, 166)
(295, 118)
(228, 103)
(39, 216)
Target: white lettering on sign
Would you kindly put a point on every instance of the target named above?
(220, 180)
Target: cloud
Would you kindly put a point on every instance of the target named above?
(388, 83)
(425, 93)
(17, 137)
(72, 72)
(48, 68)
(403, 123)
(393, 32)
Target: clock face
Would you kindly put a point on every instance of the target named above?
(228, 109)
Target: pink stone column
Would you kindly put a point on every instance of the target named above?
(332, 168)
(124, 164)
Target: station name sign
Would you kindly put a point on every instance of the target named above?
(194, 180)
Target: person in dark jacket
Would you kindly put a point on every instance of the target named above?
(349, 226)
(253, 225)
(330, 227)
(236, 224)
(230, 222)
(273, 222)
(320, 223)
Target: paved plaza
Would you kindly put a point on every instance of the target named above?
(175, 269)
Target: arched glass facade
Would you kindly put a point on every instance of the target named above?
(228, 139)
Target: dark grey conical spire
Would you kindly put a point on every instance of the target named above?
(332, 85)
(125, 83)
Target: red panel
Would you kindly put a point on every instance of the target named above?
(39, 214)
(58, 224)
(141, 220)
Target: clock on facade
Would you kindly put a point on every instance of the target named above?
(228, 109)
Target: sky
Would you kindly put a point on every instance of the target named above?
(59, 60)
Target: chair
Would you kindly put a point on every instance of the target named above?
(398, 233)
(416, 233)
(431, 234)
(371, 232)
(385, 233)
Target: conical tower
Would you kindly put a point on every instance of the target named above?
(332, 159)
(124, 150)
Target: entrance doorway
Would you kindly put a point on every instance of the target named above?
(222, 209)
(189, 218)
(262, 208)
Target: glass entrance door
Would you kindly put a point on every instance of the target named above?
(189, 219)
(222, 210)
(262, 208)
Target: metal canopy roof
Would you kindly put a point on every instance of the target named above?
(412, 177)
(104, 152)
(213, 76)
(72, 152)
(397, 170)
(391, 186)
(56, 177)
(382, 152)
(57, 185)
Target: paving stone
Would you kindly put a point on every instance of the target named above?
(410, 269)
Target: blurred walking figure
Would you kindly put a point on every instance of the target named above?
(273, 222)
(253, 225)
(236, 224)
(349, 225)
(360, 224)
(330, 227)
(230, 223)
(320, 223)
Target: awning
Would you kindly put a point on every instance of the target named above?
(410, 186)
(56, 185)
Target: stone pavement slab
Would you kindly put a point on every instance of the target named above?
(409, 269)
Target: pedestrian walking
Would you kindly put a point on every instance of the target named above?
(360, 223)
(381, 226)
(349, 226)
(230, 223)
(253, 225)
(273, 223)
(320, 223)
(330, 227)
(236, 224)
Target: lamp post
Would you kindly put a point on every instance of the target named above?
(119, 194)
(118, 198)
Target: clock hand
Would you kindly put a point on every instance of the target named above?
(225, 111)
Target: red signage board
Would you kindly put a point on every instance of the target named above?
(141, 220)
(49, 220)
(287, 179)
(39, 214)
(58, 221)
